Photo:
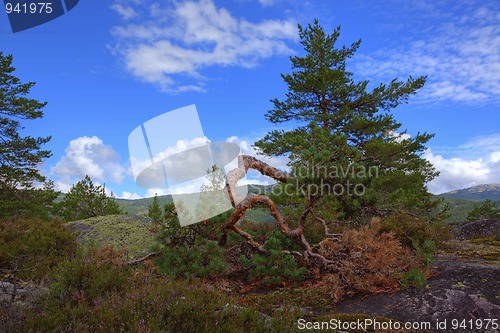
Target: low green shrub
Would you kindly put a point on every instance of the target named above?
(189, 252)
(274, 266)
(29, 249)
(425, 250)
(413, 231)
(205, 259)
(89, 275)
(415, 277)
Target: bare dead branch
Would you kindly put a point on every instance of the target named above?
(264, 168)
(254, 199)
(246, 162)
(241, 205)
(140, 260)
(328, 234)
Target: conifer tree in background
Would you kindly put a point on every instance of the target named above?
(154, 211)
(212, 195)
(22, 188)
(484, 210)
(85, 200)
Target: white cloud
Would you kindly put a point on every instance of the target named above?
(63, 185)
(186, 189)
(152, 192)
(489, 144)
(267, 3)
(194, 185)
(398, 137)
(87, 156)
(150, 172)
(457, 46)
(475, 162)
(172, 50)
(129, 196)
(126, 12)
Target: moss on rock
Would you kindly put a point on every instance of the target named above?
(120, 231)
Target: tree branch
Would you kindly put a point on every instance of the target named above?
(140, 260)
(242, 205)
(328, 234)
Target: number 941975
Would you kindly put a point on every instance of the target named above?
(31, 8)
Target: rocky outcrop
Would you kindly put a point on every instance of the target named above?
(477, 229)
(461, 291)
(464, 289)
(132, 232)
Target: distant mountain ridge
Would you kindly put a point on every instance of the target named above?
(460, 201)
(140, 206)
(475, 193)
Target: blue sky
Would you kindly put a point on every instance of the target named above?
(108, 66)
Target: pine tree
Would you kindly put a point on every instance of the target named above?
(484, 210)
(347, 149)
(350, 161)
(85, 200)
(21, 184)
(212, 195)
(154, 211)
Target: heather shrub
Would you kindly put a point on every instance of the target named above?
(29, 249)
(414, 231)
(89, 275)
(97, 292)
